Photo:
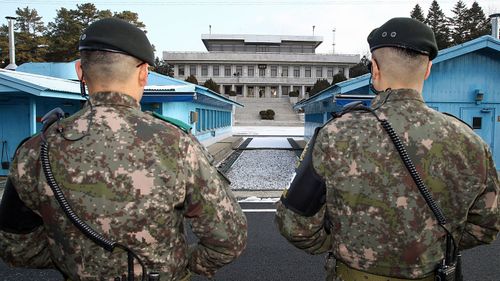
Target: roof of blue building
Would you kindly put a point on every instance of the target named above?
(63, 70)
(62, 76)
(38, 85)
(487, 44)
(159, 84)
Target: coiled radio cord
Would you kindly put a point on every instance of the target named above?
(451, 255)
(108, 245)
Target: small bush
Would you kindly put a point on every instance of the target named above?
(293, 94)
(232, 93)
(267, 114)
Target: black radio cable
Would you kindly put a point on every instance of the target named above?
(109, 245)
(451, 256)
(100, 240)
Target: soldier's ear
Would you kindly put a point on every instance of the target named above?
(375, 70)
(79, 70)
(428, 71)
(143, 74)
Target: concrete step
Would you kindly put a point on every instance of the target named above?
(221, 149)
(249, 115)
(268, 123)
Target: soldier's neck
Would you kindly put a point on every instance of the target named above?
(134, 92)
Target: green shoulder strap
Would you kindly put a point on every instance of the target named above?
(176, 122)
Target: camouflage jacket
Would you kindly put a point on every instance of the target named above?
(134, 179)
(380, 223)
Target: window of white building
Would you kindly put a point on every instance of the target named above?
(181, 70)
(330, 72)
(227, 70)
(307, 71)
(284, 71)
(192, 70)
(204, 70)
(274, 70)
(251, 71)
(215, 70)
(319, 71)
(296, 71)
(239, 70)
(262, 72)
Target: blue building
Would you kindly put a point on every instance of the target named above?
(24, 99)
(464, 81)
(210, 114)
(35, 88)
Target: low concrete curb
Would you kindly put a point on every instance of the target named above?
(221, 149)
(243, 194)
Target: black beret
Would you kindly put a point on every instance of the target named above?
(116, 35)
(406, 33)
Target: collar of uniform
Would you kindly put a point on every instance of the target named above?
(113, 98)
(397, 95)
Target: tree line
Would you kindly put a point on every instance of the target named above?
(57, 41)
(463, 25)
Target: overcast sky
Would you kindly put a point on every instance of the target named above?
(177, 25)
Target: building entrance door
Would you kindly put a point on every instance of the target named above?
(14, 127)
(262, 93)
(239, 90)
(251, 92)
(482, 121)
(274, 92)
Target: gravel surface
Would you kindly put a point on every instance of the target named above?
(262, 170)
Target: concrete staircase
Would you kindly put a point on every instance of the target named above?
(249, 115)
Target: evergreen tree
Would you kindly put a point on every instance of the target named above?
(163, 67)
(459, 30)
(130, 17)
(4, 45)
(192, 79)
(439, 24)
(64, 33)
(337, 78)
(319, 86)
(417, 13)
(212, 85)
(360, 68)
(86, 14)
(30, 42)
(477, 24)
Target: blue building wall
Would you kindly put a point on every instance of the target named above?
(214, 112)
(20, 116)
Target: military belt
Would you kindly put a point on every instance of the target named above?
(347, 273)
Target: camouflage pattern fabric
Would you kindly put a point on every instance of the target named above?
(380, 223)
(135, 179)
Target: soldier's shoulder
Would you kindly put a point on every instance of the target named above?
(171, 122)
(455, 119)
(463, 128)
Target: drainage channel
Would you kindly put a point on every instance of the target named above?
(229, 161)
(295, 146)
(262, 167)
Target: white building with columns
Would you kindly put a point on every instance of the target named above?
(260, 65)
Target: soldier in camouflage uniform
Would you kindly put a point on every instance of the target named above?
(375, 223)
(132, 177)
